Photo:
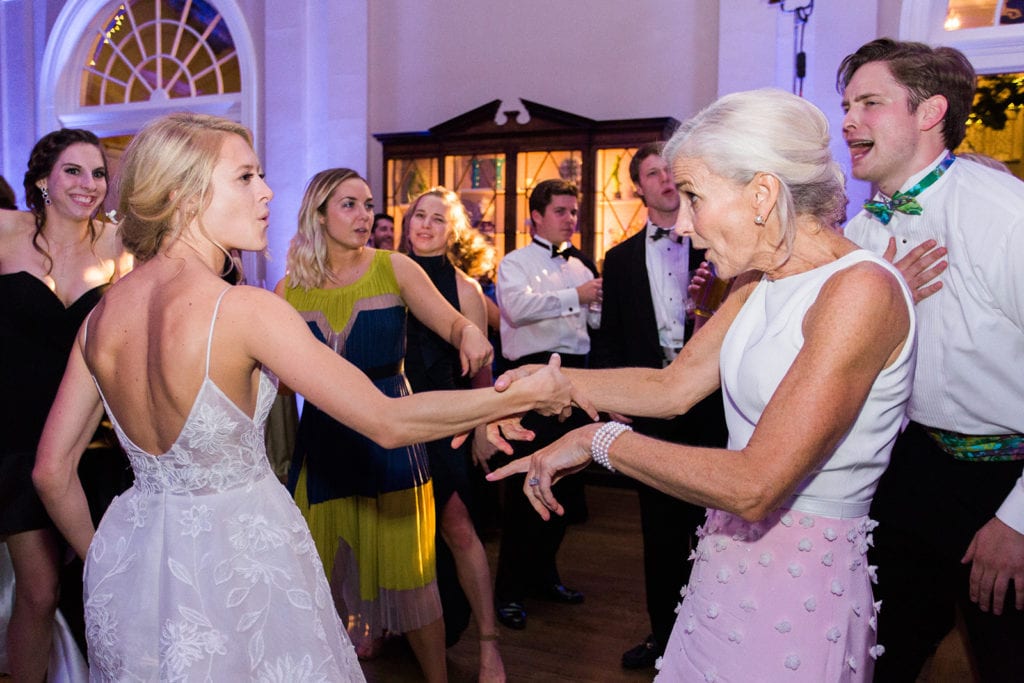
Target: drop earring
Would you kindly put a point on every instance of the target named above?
(46, 196)
(759, 219)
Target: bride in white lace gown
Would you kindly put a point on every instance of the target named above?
(205, 570)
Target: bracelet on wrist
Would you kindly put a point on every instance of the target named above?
(602, 441)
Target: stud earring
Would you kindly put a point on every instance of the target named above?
(46, 196)
(759, 219)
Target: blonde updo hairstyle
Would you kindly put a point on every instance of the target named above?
(165, 178)
(307, 254)
(769, 131)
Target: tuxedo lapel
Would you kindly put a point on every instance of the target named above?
(646, 330)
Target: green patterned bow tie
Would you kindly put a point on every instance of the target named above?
(906, 202)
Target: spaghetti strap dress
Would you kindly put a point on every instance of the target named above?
(205, 570)
(370, 509)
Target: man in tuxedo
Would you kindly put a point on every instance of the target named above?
(545, 294)
(644, 324)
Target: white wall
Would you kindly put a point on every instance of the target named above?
(756, 50)
(22, 41)
(431, 61)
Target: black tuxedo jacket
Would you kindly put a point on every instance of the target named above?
(629, 338)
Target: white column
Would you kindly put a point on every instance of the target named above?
(316, 85)
(21, 31)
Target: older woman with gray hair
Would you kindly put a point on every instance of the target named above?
(814, 351)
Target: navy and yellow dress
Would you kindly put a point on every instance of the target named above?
(370, 509)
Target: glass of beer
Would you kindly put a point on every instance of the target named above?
(711, 293)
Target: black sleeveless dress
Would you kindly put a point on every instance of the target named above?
(432, 364)
(36, 336)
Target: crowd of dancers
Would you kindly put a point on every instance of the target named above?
(874, 430)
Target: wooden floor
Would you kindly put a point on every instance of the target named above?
(602, 558)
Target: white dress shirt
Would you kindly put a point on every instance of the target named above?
(668, 269)
(540, 308)
(969, 375)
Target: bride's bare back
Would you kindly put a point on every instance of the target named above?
(147, 345)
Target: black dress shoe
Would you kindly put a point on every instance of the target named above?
(512, 615)
(643, 655)
(556, 592)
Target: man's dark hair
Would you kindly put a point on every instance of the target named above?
(644, 151)
(647, 150)
(546, 190)
(379, 217)
(924, 71)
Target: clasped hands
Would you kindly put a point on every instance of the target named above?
(557, 395)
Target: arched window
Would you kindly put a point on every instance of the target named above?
(158, 50)
(112, 66)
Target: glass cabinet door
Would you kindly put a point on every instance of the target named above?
(479, 180)
(494, 169)
(619, 213)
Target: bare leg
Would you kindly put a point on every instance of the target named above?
(30, 630)
(475, 579)
(428, 645)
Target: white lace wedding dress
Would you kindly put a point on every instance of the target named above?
(205, 570)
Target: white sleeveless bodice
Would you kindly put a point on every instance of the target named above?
(757, 352)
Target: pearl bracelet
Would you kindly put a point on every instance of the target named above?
(602, 441)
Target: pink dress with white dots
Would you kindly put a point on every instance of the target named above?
(789, 598)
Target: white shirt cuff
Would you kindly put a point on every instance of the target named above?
(1011, 512)
(570, 300)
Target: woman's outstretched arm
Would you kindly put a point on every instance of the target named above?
(274, 334)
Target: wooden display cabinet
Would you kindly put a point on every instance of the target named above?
(494, 167)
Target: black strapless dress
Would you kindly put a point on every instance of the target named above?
(36, 336)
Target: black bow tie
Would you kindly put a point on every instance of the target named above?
(661, 232)
(556, 251)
